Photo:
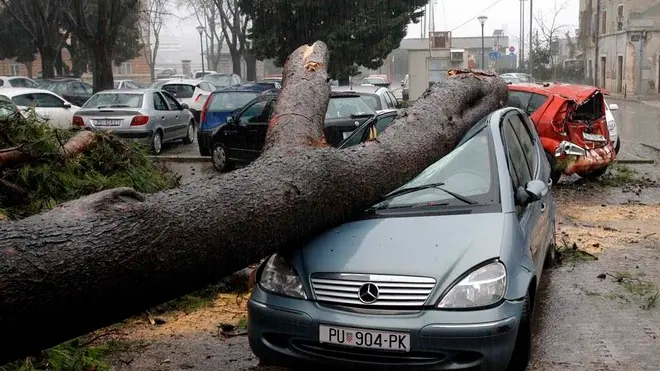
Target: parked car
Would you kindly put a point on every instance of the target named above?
(199, 74)
(274, 83)
(158, 83)
(127, 84)
(17, 82)
(219, 106)
(150, 116)
(571, 122)
(7, 108)
(377, 97)
(48, 106)
(71, 89)
(242, 138)
(222, 80)
(441, 274)
(611, 126)
(273, 78)
(375, 81)
(405, 88)
(517, 77)
(191, 92)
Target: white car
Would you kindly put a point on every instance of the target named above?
(127, 84)
(611, 125)
(48, 106)
(190, 92)
(17, 82)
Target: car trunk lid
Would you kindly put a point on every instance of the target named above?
(109, 118)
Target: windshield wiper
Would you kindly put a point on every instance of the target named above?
(404, 191)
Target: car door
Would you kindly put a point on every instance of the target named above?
(178, 117)
(389, 104)
(162, 117)
(250, 123)
(257, 130)
(53, 109)
(521, 174)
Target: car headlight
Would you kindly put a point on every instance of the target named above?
(483, 287)
(279, 278)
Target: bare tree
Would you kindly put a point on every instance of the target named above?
(234, 29)
(550, 30)
(153, 18)
(207, 15)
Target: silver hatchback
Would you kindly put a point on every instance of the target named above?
(150, 116)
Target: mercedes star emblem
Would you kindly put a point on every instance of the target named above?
(368, 293)
(357, 123)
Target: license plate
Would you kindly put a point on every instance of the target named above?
(360, 338)
(107, 122)
(594, 137)
(346, 134)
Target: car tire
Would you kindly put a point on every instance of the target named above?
(522, 351)
(157, 142)
(555, 174)
(220, 158)
(617, 146)
(190, 133)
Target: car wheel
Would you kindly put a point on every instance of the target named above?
(594, 174)
(555, 174)
(220, 158)
(617, 147)
(522, 352)
(190, 133)
(157, 142)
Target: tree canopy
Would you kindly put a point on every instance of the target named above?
(357, 32)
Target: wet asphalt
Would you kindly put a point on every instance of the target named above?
(580, 323)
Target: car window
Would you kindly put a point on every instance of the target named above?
(237, 80)
(393, 98)
(526, 141)
(517, 162)
(255, 113)
(467, 170)
(229, 101)
(180, 91)
(2, 83)
(114, 100)
(116, 84)
(78, 88)
(159, 102)
(360, 135)
(388, 100)
(519, 99)
(536, 101)
(41, 100)
(173, 103)
(383, 123)
(17, 83)
(347, 106)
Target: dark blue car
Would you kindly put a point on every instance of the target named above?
(220, 105)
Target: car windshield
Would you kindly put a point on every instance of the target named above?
(341, 107)
(467, 171)
(372, 100)
(219, 81)
(157, 84)
(117, 84)
(57, 87)
(180, 91)
(114, 100)
(229, 101)
(374, 80)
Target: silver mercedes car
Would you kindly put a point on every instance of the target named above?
(441, 274)
(150, 116)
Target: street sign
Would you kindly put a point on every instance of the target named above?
(494, 55)
(512, 49)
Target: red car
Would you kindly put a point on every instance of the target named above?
(570, 120)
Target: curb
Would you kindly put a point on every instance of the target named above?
(179, 158)
(637, 162)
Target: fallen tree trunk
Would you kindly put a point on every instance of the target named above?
(79, 143)
(99, 259)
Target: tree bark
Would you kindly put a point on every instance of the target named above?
(94, 261)
(102, 59)
(236, 63)
(48, 56)
(250, 66)
(79, 143)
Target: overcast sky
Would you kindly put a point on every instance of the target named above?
(181, 41)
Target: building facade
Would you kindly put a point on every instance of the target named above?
(627, 33)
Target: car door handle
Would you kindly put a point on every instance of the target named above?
(543, 206)
(162, 117)
(549, 182)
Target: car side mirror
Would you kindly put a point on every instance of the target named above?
(533, 191)
(66, 105)
(231, 120)
(184, 106)
(614, 107)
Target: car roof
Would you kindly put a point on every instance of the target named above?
(19, 91)
(129, 91)
(176, 81)
(372, 89)
(247, 87)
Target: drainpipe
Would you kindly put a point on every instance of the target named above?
(641, 55)
(597, 57)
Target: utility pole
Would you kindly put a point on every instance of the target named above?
(521, 50)
(531, 44)
(596, 37)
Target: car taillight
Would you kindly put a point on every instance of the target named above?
(78, 121)
(139, 120)
(202, 116)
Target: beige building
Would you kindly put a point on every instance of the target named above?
(628, 44)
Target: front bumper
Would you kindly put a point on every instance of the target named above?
(285, 332)
(591, 159)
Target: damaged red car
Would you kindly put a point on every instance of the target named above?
(571, 122)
